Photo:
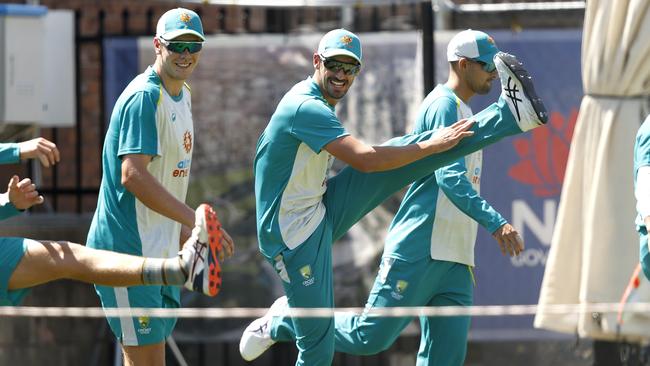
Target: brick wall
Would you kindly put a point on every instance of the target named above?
(80, 169)
(80, 172)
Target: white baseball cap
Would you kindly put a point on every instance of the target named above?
(472, 44)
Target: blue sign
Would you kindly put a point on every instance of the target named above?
(523, 175)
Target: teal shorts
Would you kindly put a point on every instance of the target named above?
(12, 251)
(140, 331)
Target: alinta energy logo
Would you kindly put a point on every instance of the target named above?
(543, 155)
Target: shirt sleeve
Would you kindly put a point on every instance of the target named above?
(316, 125)
(441, 113)
(138, 131)
(452, 179)
(7, 209)
(9, 153)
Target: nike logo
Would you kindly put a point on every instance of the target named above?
(511, 92)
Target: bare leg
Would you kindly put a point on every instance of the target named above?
(152, 354)
(47, 261)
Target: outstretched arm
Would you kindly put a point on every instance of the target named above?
(39, 148)
(20, 195)
(9, 153)
(367, 158)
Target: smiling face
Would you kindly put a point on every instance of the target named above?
(334, 83)
(174, 68)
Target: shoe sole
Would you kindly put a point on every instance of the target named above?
(517, 68)
(215, 237)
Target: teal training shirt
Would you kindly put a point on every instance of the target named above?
(439, 213)
(9, 153)
(145, 120)
(291, 168)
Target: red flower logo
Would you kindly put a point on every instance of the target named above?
(543, 156)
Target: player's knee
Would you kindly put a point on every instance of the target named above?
(317, 337)
(374, 344)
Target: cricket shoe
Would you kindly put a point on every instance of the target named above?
(199, 253)
(256, 338)
(519, 93)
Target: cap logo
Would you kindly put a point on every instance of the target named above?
(346, 40)
(490, 39)
(185, 18)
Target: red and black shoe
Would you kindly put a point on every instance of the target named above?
(201, 251)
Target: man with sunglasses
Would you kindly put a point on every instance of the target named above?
(428, 258)
(300, 212)
(146, 159)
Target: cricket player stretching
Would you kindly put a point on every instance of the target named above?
(300, 212)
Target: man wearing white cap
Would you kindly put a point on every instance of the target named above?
(146, 159)
(300, 212)
(429, 252)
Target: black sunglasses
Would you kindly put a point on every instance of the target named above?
(181, 46)
(335, 66)
(486, 67)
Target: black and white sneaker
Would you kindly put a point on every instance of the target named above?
(519, 93)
